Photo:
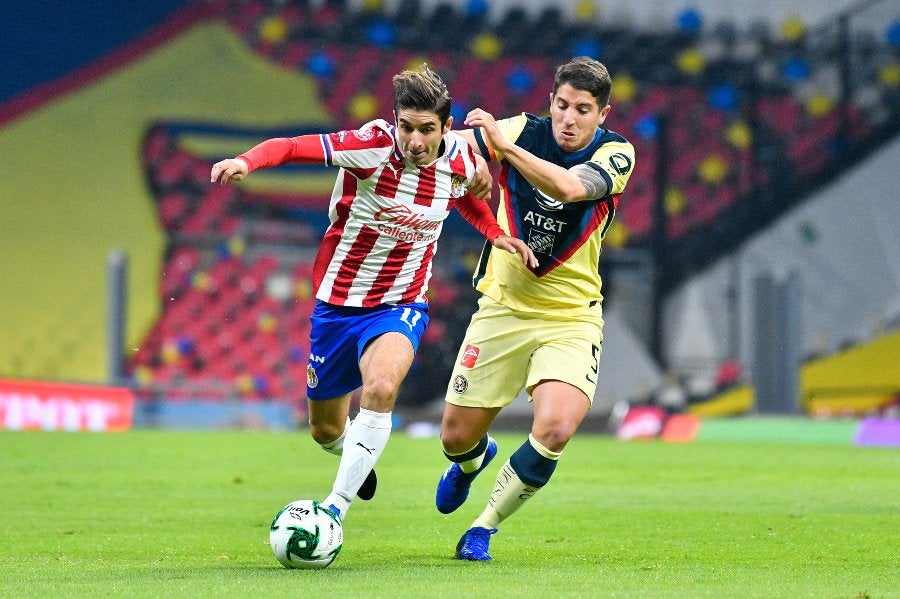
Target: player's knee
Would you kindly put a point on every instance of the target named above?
(324, 432)
(554, 436)
(457, 441)
(379, 394)
(458, 436)
(451, 445)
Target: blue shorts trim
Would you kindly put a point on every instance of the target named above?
(339, 335)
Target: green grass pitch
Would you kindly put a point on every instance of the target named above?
(186, 514)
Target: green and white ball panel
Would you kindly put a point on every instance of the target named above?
(304, 534)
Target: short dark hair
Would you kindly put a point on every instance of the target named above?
(422, 90)
(586, 74)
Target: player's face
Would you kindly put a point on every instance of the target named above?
(420, 134)
(575, 114)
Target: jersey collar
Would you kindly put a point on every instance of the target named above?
(579, 154)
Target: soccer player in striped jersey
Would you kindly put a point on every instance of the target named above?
(396, 185)
(537, 329)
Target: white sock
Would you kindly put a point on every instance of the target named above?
(365, 440)
(336, 447)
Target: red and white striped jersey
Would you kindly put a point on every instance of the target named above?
(386, 215)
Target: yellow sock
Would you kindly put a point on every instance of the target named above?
(508, 495)
(509, 491)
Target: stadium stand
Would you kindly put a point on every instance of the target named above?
(733, 125)
(733, 115)
(741, 112)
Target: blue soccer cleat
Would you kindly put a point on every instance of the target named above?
(474, 543)
(453, 488)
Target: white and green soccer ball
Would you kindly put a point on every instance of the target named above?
(304, 534)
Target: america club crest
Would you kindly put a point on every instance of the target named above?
(460, 384)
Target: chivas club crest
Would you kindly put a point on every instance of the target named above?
(457, 186)
(312, 378)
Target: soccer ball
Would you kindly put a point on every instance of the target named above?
(304, 534)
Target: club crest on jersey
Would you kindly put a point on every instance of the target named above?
(460, 384)
(312, 379)
(470, 355)
(545, 201)
(540, 242)
(457, 185)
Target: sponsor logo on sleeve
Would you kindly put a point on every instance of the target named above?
(364, 134)
(620, 163)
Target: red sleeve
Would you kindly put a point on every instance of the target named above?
(479, 215)
(306, 149)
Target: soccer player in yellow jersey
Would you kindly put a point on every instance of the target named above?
(536, 328)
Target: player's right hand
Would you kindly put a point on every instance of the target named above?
(228, 169)
(478, 117)
(514, 245)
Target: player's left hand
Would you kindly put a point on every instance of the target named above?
(483, 183)
(514, 245)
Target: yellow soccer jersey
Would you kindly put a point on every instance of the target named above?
(564, 237)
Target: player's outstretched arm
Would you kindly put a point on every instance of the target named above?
(555, 181)
(303, 149)
(228, 169)
(514, 245)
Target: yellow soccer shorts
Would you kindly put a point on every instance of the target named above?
(505, 351)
